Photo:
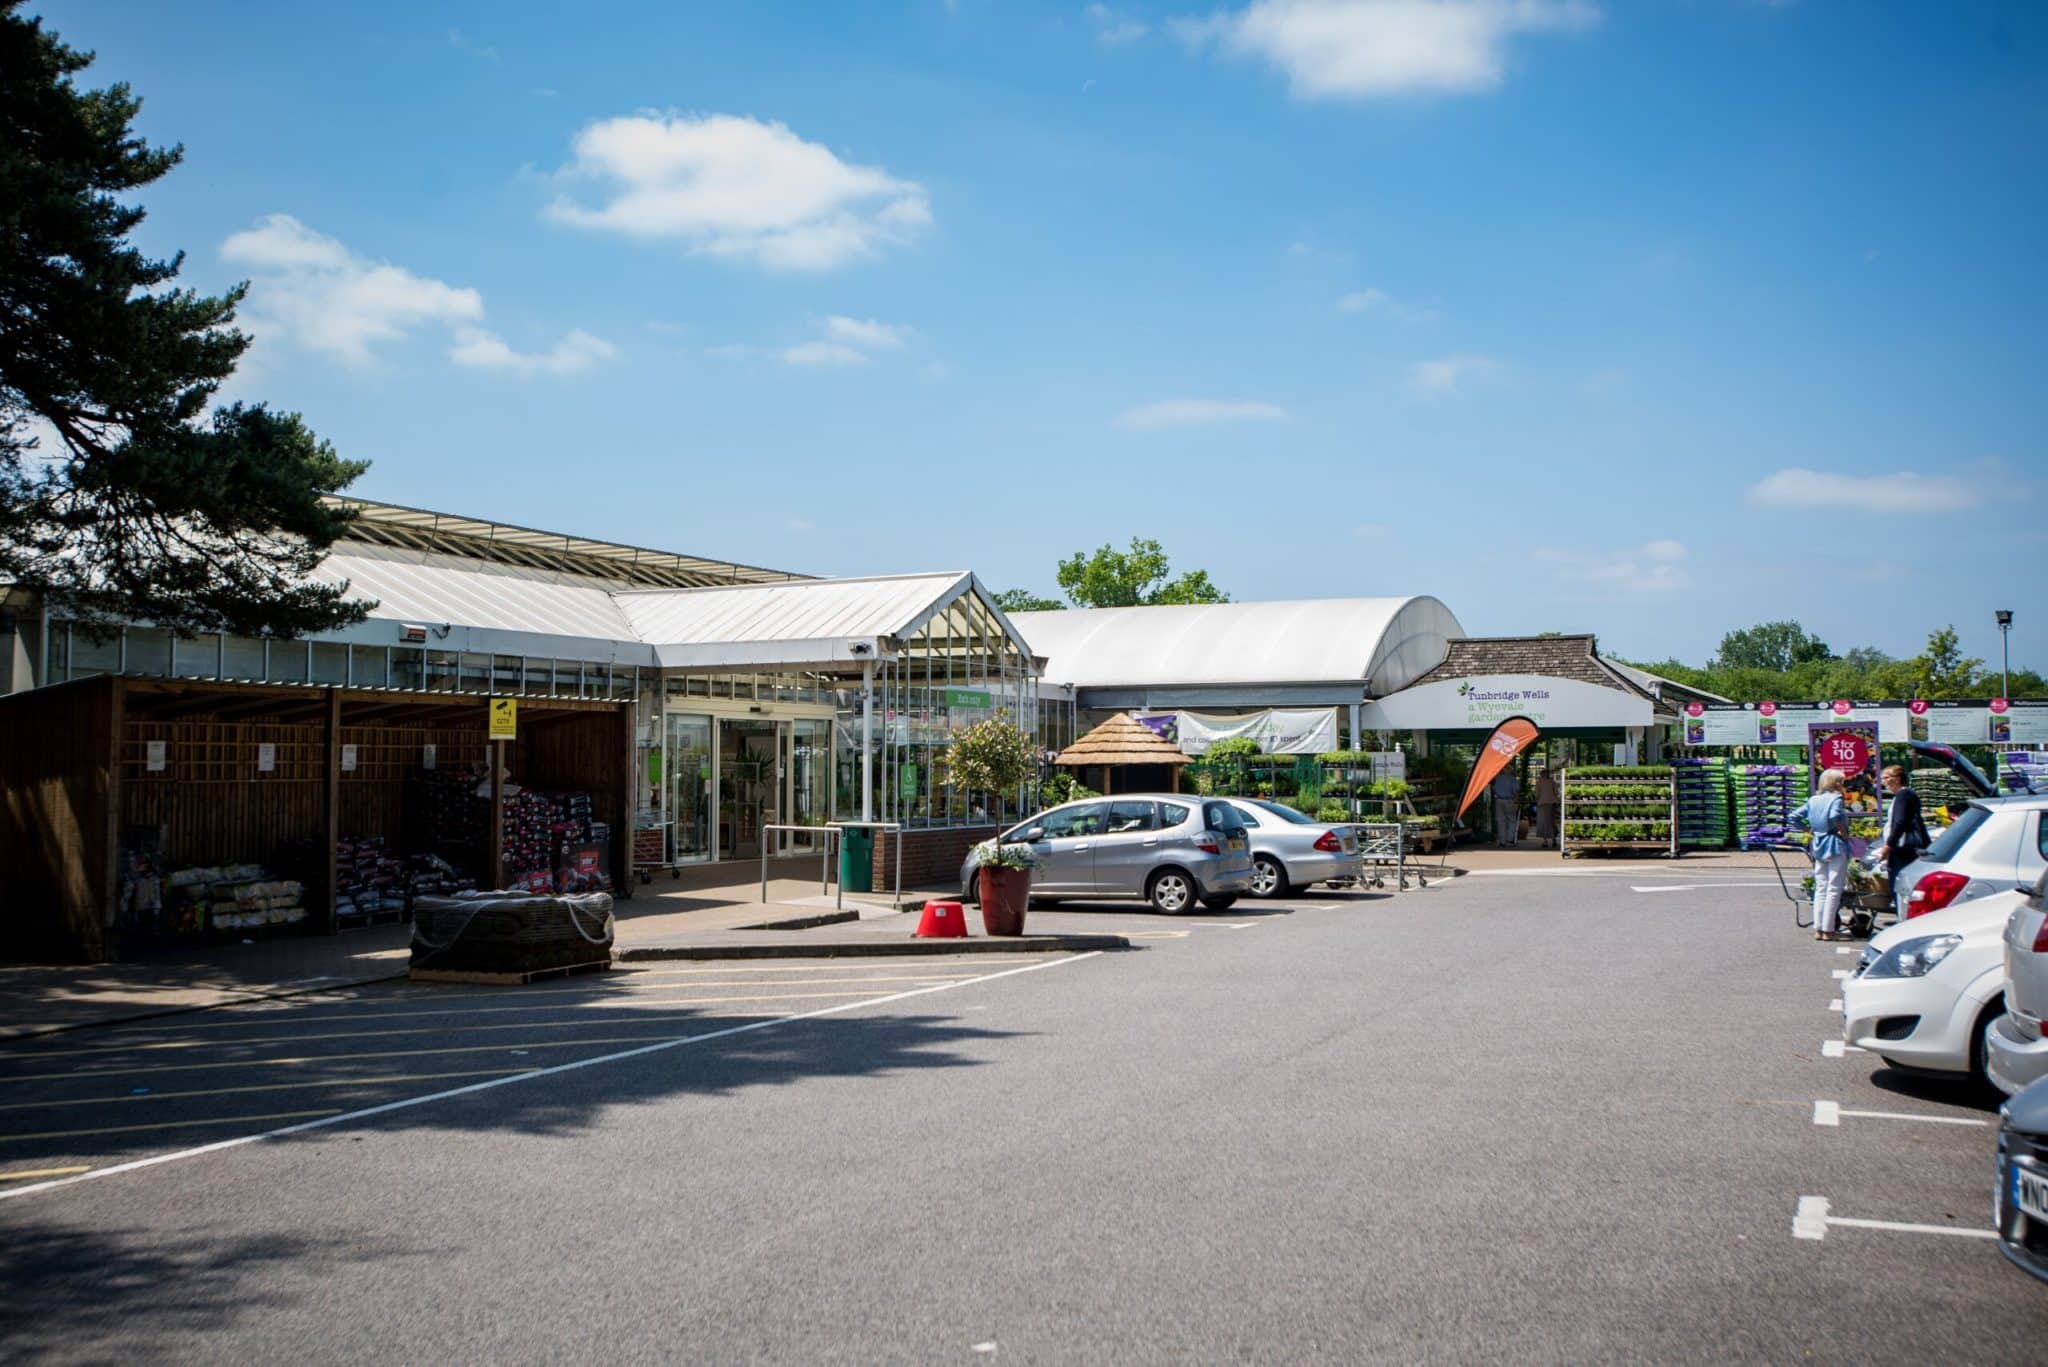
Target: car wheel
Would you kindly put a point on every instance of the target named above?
(1222, 901)
(1171, 892)
(971, 894)
(1980, 1047)
(1268, 878)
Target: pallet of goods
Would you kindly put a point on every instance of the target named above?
(1766, 796)
(1627, 809)
(232, 897)
(1702, 802)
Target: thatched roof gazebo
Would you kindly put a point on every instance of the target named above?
(1124, 747)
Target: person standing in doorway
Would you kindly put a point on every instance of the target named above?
(1905, 832)
(1507, 817)
(1548, 804)
(1824, 816)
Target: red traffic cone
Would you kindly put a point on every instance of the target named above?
(942, 921)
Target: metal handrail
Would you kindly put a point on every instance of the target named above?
(838, 898)
(824, 855)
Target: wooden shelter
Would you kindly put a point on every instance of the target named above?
(1124, 747)
(227, 772)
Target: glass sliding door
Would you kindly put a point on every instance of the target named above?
(750, 776)
(810, 779)
(687, 774)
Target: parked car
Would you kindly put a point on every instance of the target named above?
(2015, 1054)
(1995, 845)
(1169, 849)
(1290, 851)
(2019, 1203)
(1926, 990)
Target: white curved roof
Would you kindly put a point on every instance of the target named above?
(1383, 643)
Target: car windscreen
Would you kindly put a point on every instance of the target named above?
(1284, 813)
(1950, 842)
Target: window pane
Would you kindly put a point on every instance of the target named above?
(540, 676)
(87, 655)
(371, 665)
(244, 658)
(198, 657)
(1128, 817)
(476, 674)
(330, 662)
(149, 650)
(288, 661)
(505, 674)
(408, 668)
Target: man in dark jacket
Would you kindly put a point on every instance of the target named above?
(1905, 833)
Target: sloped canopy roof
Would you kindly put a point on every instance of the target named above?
(1558, 657)
(1375, 644)
(816, 623)
(1123, 739)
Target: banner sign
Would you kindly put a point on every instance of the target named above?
(1850, 746)
(1483, 702)
(1509, 739)
(2018, 723)
(1277, 731)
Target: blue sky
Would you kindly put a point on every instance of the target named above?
(1652, 319)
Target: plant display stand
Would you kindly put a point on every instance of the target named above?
(1702, 803)
(1624, 809)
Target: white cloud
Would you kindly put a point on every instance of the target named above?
(1380, 302)
(1652, 568)
(1196, 412)
(481, 349)
(309, 289)
(1902, 492)
(1361, 49)
(1444, 375)
(738, 188)
(823, 354)
(866, 332)
(1113, 29)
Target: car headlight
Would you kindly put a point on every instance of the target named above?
(1913, 958)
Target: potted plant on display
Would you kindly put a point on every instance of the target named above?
(995, 757)
(1005, 878)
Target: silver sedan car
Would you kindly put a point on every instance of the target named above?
(1171, 849)
(1291, 851)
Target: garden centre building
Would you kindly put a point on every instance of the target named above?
(689, 703)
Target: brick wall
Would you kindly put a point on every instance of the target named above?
(930, 858)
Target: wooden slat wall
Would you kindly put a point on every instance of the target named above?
(587, 753)
(54, 861)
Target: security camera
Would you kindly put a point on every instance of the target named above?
(860, 648)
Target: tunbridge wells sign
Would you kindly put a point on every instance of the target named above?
(1485, 700)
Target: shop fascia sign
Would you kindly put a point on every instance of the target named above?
(1483, 701)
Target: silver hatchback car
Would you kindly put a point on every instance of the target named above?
(1169, 849)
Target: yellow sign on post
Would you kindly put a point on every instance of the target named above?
(504, 719)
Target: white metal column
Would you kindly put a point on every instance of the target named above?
(867, 740)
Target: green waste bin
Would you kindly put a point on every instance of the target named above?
(856, 859)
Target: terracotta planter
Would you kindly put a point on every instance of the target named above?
(1005, 893)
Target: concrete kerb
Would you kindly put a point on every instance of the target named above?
(879, 949)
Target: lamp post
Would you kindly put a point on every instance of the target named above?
(2005, 652)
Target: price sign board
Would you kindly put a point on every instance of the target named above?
(1852, 748)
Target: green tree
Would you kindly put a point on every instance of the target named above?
(118, 493)
(1024, 600)
(1110, 578)
(1776, 646)
(1942, 670)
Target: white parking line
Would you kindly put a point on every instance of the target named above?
(1850, 949)
(1831, 1113)
(1834, 1048)
(1697, 887)
(1812, 1221)
(1835, 1005)
(1842, 973)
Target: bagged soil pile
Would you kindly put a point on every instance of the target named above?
(511, 932)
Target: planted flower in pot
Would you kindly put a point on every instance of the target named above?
(1005, 885)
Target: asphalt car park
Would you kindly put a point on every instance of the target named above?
(1562, 1116)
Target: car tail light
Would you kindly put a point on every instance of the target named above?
(1935, 891)
(2041, 938)
(1330, 844)
(1208, 844)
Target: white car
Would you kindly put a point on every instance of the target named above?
(1926, 990)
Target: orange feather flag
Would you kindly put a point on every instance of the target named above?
(1509, 739)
